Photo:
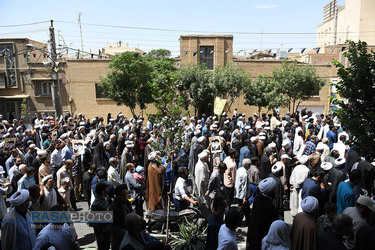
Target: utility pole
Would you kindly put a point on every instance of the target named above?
(56, 97)
(80, 30)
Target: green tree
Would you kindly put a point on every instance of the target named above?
(357, 88)
(164, 75)
(263, 93)
(229, 81)
(297, 83)
(202, 85)
(196, 82)
(128, 82)
(139, 80)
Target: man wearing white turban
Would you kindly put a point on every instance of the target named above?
(154, 185)
(17, 229)
(201, 179)
(298, 176)
(304, 231)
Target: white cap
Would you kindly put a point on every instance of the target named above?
(197, 132)
(221, 133)
(272, 145)
(339, 161)
(285, 156)
(326, 166)
(303, 159)
(152, 156)
(203, 154)
(276, 168)
(247, 127)
(41, 152)
(200, 139)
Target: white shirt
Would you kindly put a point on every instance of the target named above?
(227, 238)
(180, 189)
(341, 147)
(325, 130)
(113, 176)
(56, 158)
(12, 172)
(298, 142)
(242, 187)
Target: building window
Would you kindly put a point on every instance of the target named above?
(6, 50)
(2, 81)
(99, 91)
(206, 56)
(43, 88)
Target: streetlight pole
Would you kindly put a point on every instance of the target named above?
(56, 97)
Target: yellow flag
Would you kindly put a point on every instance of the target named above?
(219, 105)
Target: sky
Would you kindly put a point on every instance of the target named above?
(250, 22)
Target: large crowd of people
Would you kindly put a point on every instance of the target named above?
(239, 170)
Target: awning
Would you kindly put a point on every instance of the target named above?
(41, 79)
(14, 96)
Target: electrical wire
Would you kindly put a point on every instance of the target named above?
(24, 24)
(204, 31)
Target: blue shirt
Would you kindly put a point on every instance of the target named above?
(244, 154)
(345, 196)
(183, 159)
(310, 148)
(9, 163)
(66, 153)
(312, 188)
(204, 129)
(25, 182)
(332, 138)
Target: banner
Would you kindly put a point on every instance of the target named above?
(219, 105)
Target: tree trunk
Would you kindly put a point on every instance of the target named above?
(299, 102)
(133, 113)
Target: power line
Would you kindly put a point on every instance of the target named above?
(24, 24)
(22, 32)
(204, 31)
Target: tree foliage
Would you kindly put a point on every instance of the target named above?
(229, 81)
(128, 82)
(197, 83)
(297, 83)
(357, 86)
(139, 80)
(263, 93)
(202, 85)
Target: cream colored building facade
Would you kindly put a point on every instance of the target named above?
(79, 79)
(115, 49)
(354, 21)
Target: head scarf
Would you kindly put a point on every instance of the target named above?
(278, 236)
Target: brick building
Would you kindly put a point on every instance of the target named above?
(79, 78)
